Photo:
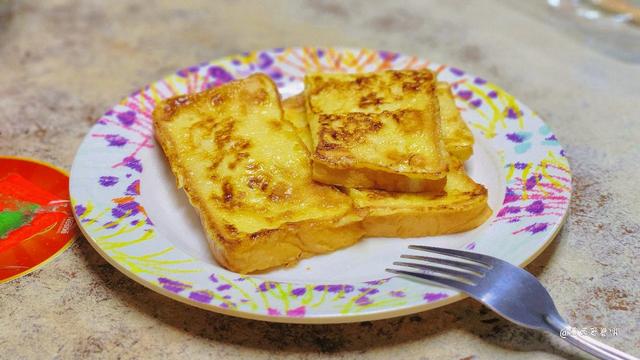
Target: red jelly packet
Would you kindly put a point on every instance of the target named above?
(36, 221)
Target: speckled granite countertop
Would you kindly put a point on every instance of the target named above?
(65, 62)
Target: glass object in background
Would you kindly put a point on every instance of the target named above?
(617, 10)
(609, 26)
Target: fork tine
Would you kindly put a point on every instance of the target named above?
(455, 284)
(461, 274)
(483, 259)
(458, 264)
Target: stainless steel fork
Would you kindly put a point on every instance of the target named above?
(507, 289)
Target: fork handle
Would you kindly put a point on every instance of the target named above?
(597, 348)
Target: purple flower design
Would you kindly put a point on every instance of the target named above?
(266, 286)
(133, 188)
(129, 208)
(510, 196)
(227, 305)
(369, 291)
(116, 140)
(431, 297)
(531, 182)
(536, 228)
(476, 102)
(388, 55)
(108, 180)
(127, 118)
(80, 209)
(186, 71)
(334, 288)
(520, 165)
(297, 312)
(508, 210)
(264, 61)
(298, 291)
(465, 94)
(132, 163)
(492, 94)
(536, 207)
(173, 285)
(220, 75)
(456, 71)
(397, 293)
(363, 300)
(202, 296)
(376, 282)
(515, 137)
(276, 75)
(213, 278)
(224, 287)
(480, 81)
(511, 113)
(273, 312)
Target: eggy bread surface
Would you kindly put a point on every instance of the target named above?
(386, 125)
(247, 173)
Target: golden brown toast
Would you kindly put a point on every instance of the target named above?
(458, 139)
(462, 205)
(247, 173)
(376, 130)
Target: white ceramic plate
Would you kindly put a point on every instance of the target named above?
(128, 207)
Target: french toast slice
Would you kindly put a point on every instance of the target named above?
(248, 175)
(458, 139)
(376, 130)
(462, 204)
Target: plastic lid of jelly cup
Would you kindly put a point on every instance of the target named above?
(36, 219)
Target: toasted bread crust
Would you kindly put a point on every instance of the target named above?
(248, 175)
(457, 136)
